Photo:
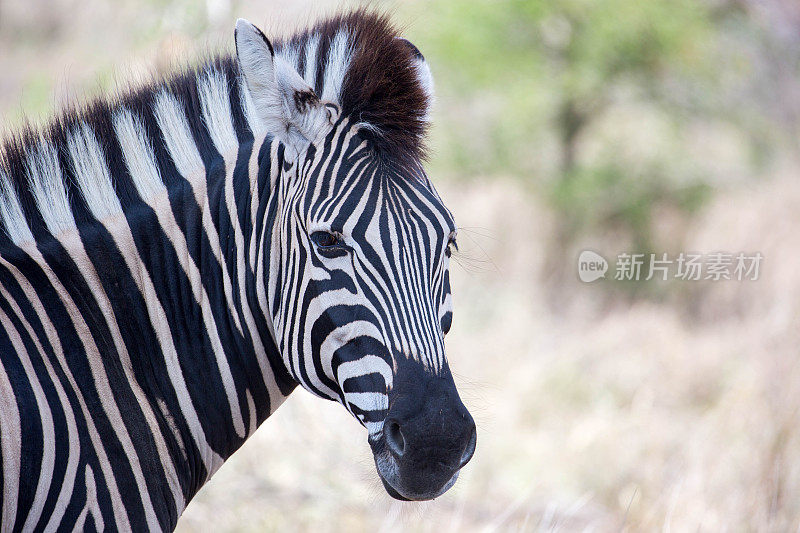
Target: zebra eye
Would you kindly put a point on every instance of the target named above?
(325, 239)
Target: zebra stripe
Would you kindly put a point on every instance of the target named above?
(78, 324)
(11, 449)
(336, 67)
(73, 445)
(11, 213)
(139, 157)
(46, 418)
(49, 189)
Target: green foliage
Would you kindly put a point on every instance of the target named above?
(36, 99)
(611, 197)
(525, 87)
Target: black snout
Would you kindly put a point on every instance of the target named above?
(396, 441)
(430, 435)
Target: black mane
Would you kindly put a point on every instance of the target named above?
(381, 87)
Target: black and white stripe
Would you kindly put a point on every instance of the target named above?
(161, 288)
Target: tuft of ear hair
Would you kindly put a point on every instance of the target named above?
(388, 86)
(283, 101)
(424, 76)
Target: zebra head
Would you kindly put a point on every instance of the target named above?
(357, 254)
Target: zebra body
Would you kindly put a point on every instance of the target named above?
(175, 262)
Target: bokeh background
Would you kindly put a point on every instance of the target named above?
(614, 125)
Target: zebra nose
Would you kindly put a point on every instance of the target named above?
(394, 438)
(440, 434)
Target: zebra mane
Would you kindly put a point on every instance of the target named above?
(381, 80)
(355, 59)
(85, 147)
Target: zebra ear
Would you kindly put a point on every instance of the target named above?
(283, 101)
(424, 76)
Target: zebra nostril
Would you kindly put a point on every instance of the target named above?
(394, 438)
(469, 451)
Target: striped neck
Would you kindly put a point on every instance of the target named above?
(153, 214)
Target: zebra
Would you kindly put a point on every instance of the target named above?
(176, 259)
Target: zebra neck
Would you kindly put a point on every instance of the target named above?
(215, 232)
(134, 242)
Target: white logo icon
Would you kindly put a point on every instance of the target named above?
(591, 266)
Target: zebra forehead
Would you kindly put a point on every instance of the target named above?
(397, 196)
(421, 197)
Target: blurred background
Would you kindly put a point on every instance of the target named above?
(611, 125)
